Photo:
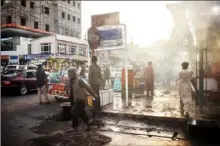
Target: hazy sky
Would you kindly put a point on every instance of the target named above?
(147, 21)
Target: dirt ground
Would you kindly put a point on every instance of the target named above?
(25, 122)
(60, 133)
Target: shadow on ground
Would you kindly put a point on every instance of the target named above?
(12, 93)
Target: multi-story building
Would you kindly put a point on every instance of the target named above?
(33, 19)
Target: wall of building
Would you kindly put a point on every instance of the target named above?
(55, 40)
(36, 44)
(54, 19)
(16, 11)
(65, 26)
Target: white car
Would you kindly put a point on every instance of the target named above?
(28, 67)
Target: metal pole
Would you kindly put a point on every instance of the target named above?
(126, 64)
(196, 75)
(88, 53)
(201, 77)
(206, 84)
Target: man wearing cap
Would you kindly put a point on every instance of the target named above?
(78, 93)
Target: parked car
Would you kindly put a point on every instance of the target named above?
(29, 67)
(19, 80)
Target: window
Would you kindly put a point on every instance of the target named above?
(78, 20)
(74, 3)
(78, 5)
(47, 27)
(61, 48)
(46, 48)
(29, 48)
(46, 10)
(36, 24)
(31, 5)
(23, 3)
(82, 50)
(63, 14)
(68, 1)
(23, 21)
(72, 50)
(74, 19)
(31, 74)
(8, 19)
(68, 17)
(7, 45)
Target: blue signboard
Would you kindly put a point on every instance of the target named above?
(37, 56)
(13, 57)
(111, 34)
(112, 37)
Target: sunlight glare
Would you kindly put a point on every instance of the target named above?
(147, 21)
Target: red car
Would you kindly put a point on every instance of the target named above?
(21, 81)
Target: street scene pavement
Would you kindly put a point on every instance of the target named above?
(116, 73)
(25, 122)
(165, 103)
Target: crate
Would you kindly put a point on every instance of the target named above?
(117, 101)
(106, 97)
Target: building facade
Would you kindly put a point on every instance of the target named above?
(59, 47)
(25, 20)
(61, 17)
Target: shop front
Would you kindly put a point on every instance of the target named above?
(14, 59)
(4, 60)
(36, 58)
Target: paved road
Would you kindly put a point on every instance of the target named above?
(21, 113)
(12, 101)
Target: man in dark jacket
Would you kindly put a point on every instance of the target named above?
(42, 84)
(78, 93)
(95, 79)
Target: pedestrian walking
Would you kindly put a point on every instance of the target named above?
(149, 79)
(42, 84)
(81, 69)
(78, 94)
(107, 75)
(95, 80)
(185, 90)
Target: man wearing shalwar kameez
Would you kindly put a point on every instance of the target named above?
(185, 90)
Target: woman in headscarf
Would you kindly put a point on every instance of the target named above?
(185, 90)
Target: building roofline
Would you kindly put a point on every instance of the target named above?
(14, 25)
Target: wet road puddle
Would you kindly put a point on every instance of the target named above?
(166, 105)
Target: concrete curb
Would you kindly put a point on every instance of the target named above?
(144, 117)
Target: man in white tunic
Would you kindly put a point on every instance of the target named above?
(185, 90)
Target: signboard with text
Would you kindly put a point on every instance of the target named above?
(105, 19)
(111, 37)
